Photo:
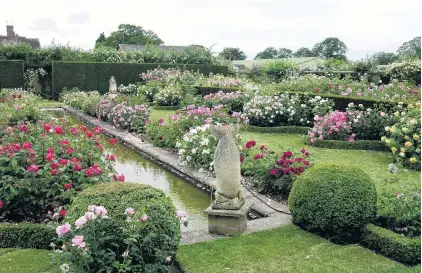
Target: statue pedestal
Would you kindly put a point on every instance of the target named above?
(227, 222)
(112, 96)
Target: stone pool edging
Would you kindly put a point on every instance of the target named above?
(169, 161)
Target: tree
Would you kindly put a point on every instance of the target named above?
(232, 53)
(285, 53)
(331, 48)
(410, 49)
(304, 52)
(268, 53)
(129, 34)
(384, 58)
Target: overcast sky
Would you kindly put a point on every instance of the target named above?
(366, 26)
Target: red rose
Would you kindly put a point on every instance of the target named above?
(301, 169)
(121, 177)
(161, 120)
(69, 150)
(111, 157)
(98, 130)
(302, 150)
(250, 144)
(258, 156)
(67, 186)
(62, 212)
(89, 172)
(53, 172)
(19, 96)
(77, 167)
(299, 159)
(49, 157)
(23, 128)
(58, 130)
(89, 134)
(83, 128)
(47, 127)
(331, 85)
(306, 153)
(27, 145)
(1, 204)
(74, 160)
(63, 162)
(33, 168)
(14, 96)
(287, 154)
(262, 147)
(242, 158)
(112, 141)
(273, 172)
(287, 170)
(74, 131)
(306, 162)
(54, 165)
(18, 146)
(50, 150)
(294, 169)
(65, 142)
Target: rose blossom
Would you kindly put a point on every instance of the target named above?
(129, 211)
(101, 211)
(78, 241)
(80, 222)
(63, 229)
(89, 215)
(143, 218)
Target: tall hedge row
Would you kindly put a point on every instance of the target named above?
(96, 76)
(11, 74)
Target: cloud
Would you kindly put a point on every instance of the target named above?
(79, 17)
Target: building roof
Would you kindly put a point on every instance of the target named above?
(302, 62)
(129, 48)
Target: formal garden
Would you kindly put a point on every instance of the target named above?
(81, 192)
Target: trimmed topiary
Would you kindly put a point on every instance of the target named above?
(336, 201)
(161, 232)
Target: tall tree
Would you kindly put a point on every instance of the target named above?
(410, 49)
(304, 52)
(129, 34)
(232, 53)
(284, 53)
(384, 58)
(331, 48)
(268, 53)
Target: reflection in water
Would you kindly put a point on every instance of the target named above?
(137, 169)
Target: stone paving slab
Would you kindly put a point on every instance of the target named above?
(277, 215)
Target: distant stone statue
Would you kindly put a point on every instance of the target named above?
(112, 90)
(228, 195)
(113, 85)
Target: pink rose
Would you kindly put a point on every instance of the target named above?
(129, 212)
(143, 218)
(78, 241)
(101, 211)
(80, 222)
(63, 229)
(90, 215)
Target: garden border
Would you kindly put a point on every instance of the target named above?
(169, 161)
(400, 248)
(369, 145)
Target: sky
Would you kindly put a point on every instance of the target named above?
(365, 26)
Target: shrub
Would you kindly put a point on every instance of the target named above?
(400, 248)
(407, 70)
(89, 104)
(104, 108)
(129, 118)
(404, 137)
(26, 235)
(273, 173)
(130, 89)
(170, 95)
(43, 166)
(335, 200)
(222, 81)
(149, 90)
(234, 101)
(138, 245)
(76, 99)
(279, 70)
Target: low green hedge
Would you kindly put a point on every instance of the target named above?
(26, 235)
(403, 249)
(170, 108)
(372, 145)
(11, 74)
(206, 90)
(282, 129)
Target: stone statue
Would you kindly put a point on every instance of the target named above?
(228, 195)
(112, 90)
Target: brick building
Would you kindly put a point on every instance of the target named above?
(12, 37)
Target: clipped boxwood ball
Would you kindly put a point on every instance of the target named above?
(161, 233)
(336, 201)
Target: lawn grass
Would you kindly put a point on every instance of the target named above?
(157, 114)
(286, 249)
(13, 260)
(374, 163)
(49, 103)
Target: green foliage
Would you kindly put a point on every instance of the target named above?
(331, 48)
(232, 53)
(410, 49)
(384, 58)
(401, 248)
(96, 76)
(157, 238)
(11, 74)
(334, 64)
(268, 53)
(26, 235)
(371, 145)
(279, 70)
(304, 52)
(335, 200)
(284, 53)
(129, 34)
(282, 129)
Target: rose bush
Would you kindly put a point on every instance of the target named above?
(104, 108)
(404, 137)
(43, 165)
(233, 101)
(129, 118)
(169, 95)
(130, 89)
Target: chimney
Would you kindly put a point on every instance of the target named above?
(10, 32)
